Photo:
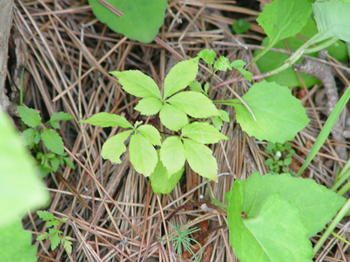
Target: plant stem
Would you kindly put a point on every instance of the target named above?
(321, 46)
(267, 48)
(344, 174)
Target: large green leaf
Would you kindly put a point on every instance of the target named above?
(203, 133)
(272, 60)
(140, 20)
(275, 234)
(200, 159)
(52, 141)
(180, 76)
(172, 154)
(149, 106)
(151, 133)
(20, 186)
(161, 181)
(29, 116)
(143, 156)
(137, 83)
(279, 115)
(282, 19)
(114, 146)
(15, 243)
(194, 104)
(332, 19)
(172, 118)
(107, 120)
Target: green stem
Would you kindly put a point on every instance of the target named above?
(21, 89)
(332, 226)
(344, 174)
(321, 46)
(266, 49)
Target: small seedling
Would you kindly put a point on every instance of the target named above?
(282, 158)
(182, 239)
(36, 133)
(54, 233)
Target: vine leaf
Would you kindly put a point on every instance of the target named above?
(200, 159)
(271, 105)
(203, 133)
(172, 118)
(137, 83)
(143, 156)
(332, 19)
(275, 234)
(161, 181)
(149, 106)
(29, 116)
(140, 20)
(107, 120)
(114, 147)
(194, 104)
(313, 200)
(282, 19)
(172, 154)
(180, 76)
(151, 133)
(52, 141)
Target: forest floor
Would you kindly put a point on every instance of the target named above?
(68, 54)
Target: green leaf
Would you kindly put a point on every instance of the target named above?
(55, 125)
(67, 245)
(196, 86)
(151, 133)
(52, 141)
(272, 60)
(172, 154)
(114, 147)
(60, 116)
(149, 106)
(15, 243)
(224, 115)
(37, 137)
(29, 116)
(279, 115)
(55, 241)
(282, 19)
(44, 215)
(240, 26)
(217, 122)
(172, 118)
(239, 64)
(64, 220)
(222, 64)
(313, 200)
(28, 137)
(275, 234)
(207, 55)
(53, 223)
(43, 236)
(107, 120)
(137, 83)
(180, 76)
(332, 19)
(140, 20)
(202, 133)
(69, 162)
(194, 104)
(161, 181)
(143, 156)
(54, 163)
(20, 184)
(200, 159)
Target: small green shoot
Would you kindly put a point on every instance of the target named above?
(281, 158)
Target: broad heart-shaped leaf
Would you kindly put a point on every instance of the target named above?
(203, 133)
(180, 76)
(52, 141)
(288, 77)
(15, 243)
(172, 154)
(143, 156)
(161, 181)
(275, 234)
(172, 118)
(151, 133)
(317, 204)
(114, 147)
(60, 116)
(107, 120)
(29, 116)
(332, 19)
(279, 115)
(200, 159)
(149, 106)
(140, 20)
(137, 83)
(194, 104)
(282, 19)
(20, 186)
